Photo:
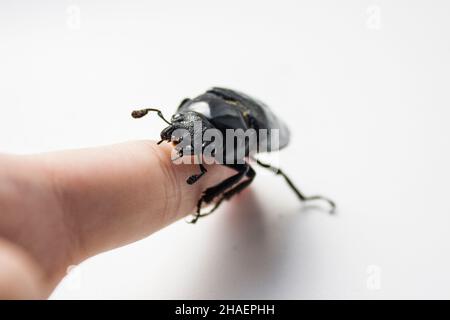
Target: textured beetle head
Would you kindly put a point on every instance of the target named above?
(186, 133)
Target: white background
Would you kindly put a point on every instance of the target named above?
(364, 86)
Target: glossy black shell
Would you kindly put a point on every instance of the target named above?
(230, 109)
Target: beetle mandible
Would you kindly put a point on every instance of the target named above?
(223, 109)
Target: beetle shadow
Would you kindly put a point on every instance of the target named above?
(251, 250)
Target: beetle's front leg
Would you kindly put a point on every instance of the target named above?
(213, 192)
(194, 178)
(235, 190)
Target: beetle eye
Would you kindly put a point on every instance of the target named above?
(177, 117)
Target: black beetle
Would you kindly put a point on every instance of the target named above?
(223, 109)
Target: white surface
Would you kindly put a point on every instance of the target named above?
(364, 85)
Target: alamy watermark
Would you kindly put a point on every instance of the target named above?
(373, 281)
(373, 17)
(73, 19)
(197, 144)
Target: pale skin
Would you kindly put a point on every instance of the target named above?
(58, 209)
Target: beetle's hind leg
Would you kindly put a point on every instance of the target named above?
(301, 196)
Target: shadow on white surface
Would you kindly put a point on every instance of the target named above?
(248, 255)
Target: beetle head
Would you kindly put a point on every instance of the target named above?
(186, 133)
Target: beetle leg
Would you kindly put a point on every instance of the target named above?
(227, 195)
(250, 176)
(301, 196)
(212, 192)
(197, 213)
(194, 178)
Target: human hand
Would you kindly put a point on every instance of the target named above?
(58, 209)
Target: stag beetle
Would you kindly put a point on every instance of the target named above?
(224, 109)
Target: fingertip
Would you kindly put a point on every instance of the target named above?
(185, 195)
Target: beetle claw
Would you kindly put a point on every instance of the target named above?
(192, 180)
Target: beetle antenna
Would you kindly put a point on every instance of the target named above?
(140, 113)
